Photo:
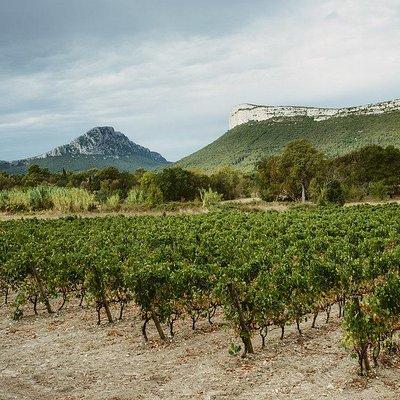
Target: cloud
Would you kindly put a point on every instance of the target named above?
(172, 90)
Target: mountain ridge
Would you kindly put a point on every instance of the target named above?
(97, 148)
(247, 142)
(247, 112)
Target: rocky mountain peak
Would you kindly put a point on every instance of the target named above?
(105, 141)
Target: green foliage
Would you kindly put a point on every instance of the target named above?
(3, 200)
(154, 195)
(17, 200)
(291, 173)
(379, 190)
(72, 200)
(299, 163)
(263, 269)
(234, 349)
(113, 203)
(209, 198)
(245, 145)
(176, 184)
(229, 182)
(371, 171)
(135, 197)
(331, 193)
(39, 198)
(355, 193)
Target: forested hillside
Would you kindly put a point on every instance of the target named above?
(244, 145)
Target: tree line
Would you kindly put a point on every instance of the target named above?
(300, 172)
(153, 187)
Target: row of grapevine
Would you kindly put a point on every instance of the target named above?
(262, 269)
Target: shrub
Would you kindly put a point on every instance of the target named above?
(3, 200)
(135, 197)
(332, 193)
(209, 198)
(355, 193)
(379, 190)
(153, 195)
(113, 203)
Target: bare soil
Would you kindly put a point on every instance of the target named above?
(66, 356)
(245, 204)
(52, 214)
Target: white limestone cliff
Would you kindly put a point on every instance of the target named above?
(250, 112)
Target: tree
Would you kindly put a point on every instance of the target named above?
(176, 184)
(332, 193)
(300, 162)
(229, 182)
(151, 190)
(269, 179)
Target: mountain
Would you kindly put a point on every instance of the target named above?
(98, 148)
(259, 131)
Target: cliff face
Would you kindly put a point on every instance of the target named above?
(250, 112)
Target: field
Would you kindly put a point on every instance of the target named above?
(67, 357)
(220, 305)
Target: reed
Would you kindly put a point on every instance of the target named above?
(72, 200)
(136, 197)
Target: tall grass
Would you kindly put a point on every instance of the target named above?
(136, 197)
(39, 198)
(112, 203)
(72, 199)
(47, 198)
(17, 200)
(3, 200)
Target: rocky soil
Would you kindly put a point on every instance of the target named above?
(68, 357)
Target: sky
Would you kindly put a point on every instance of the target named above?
(167, 72)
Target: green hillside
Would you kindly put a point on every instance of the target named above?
(82, 163)
(246, 144)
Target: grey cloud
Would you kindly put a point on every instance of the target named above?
(167, 72)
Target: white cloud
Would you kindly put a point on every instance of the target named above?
(174, 95)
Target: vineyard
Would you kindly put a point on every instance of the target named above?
(259, 270)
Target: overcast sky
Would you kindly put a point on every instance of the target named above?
(167, 72)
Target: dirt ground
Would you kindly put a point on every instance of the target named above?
(245, 204)
(67, 356)
(51, 214)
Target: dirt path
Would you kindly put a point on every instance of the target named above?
(55, 214)
(244, 204)
(67, 356)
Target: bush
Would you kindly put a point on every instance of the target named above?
(135, 197)
(113, 203)
(355, 193)
(153, 195)
(209, 198)
(332, 193)
(3, 200)
(270, 192)
(378, 190)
